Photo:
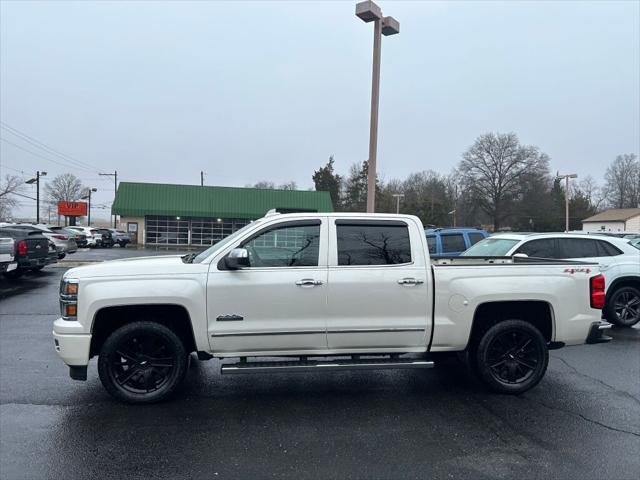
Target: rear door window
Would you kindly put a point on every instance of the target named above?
(605, 249)
(453, 243)
(577, 248)
(544, 248)
(373, 242)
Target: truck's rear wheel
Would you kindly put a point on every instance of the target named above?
(511, 357)
(142, 362)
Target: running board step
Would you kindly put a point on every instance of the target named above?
(329, 365)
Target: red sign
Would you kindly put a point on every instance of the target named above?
(72, 209)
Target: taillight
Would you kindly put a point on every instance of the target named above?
(596, 291)
(22, 247)
(59, 237)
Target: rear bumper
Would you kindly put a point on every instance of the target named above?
(597, 333)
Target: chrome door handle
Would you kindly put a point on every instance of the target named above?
(410, 281)
(309, 282)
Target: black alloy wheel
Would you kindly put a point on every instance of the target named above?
(512, 357)
(624, 307)
(142, 362)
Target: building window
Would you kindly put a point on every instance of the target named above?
(165, 230)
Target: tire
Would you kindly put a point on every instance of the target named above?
(511, 357)
(142, 363)
(61, 256)
(623, 307)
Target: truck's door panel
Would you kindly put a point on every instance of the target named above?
(278, 304)
(379, 287)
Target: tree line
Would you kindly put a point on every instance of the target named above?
(498, 183)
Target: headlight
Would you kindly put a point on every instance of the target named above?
(69, 298)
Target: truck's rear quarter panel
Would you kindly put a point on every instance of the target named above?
(460, 290)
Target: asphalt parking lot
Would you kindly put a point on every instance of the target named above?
(581, 422)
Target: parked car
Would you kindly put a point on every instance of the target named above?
(94, 239)
(106, 237)
(444, 242)
(79, 237)
(618, 259)
(300, 286)
(31, 250)
(64, 244)
(120, 237)
(7, 254)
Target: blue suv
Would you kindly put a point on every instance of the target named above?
(449, 242)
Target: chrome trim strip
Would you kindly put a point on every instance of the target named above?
(249, 334)
(376, 330)
(311, 332)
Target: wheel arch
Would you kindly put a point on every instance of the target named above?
(627, 280)
(539, 313)
(174, 316)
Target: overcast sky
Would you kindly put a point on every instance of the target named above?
(250, 91)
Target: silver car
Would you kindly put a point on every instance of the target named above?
(64, 244)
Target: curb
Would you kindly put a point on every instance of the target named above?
(78, 263)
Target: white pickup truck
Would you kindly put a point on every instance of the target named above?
(322, 292)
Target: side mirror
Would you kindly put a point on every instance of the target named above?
(237, 259)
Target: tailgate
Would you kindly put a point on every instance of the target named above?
(37, 247)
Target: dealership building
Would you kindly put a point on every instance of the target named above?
(192, 215)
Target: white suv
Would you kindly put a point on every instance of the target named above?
(618, 259)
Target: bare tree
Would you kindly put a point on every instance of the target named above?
(589, 189)
(623, 182)
(265, 184)
(492, 168)
(8, 187)
(64, 188)
(290, 185)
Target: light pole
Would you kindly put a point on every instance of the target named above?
(370, 12)
(36, 180)
(566, 196)
(453, 212)
(398, 196)
(88, 195)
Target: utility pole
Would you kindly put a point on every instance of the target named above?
(88, 195)
(370, 12)
(36, 180)
(201, 178)
(115, 192)
(398, 196)
(566, 196)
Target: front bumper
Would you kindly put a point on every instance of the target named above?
(597, 333)
(72, 348)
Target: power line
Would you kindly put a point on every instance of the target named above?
(42, 156)
(43, 146)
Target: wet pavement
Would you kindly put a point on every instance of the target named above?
(581, 422)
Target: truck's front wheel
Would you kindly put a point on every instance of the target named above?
(511, 357)
(142, 362)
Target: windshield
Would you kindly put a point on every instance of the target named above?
(491, 247)
(223, 243)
